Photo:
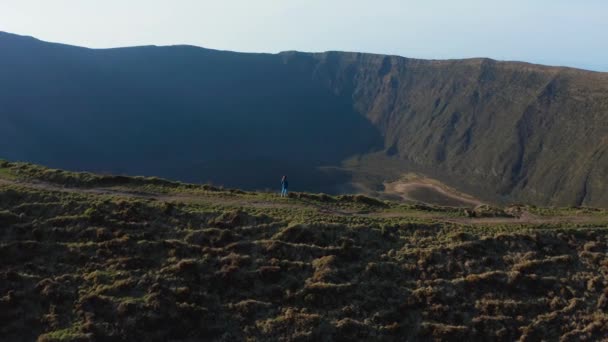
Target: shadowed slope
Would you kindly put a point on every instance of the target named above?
(180, 112)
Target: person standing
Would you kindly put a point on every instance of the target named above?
(284, 185)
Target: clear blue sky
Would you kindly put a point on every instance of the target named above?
(555, 32)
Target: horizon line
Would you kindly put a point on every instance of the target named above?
(561, 66)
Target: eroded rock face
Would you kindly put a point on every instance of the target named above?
(137, 270)
(516, 129)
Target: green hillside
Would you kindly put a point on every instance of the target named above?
(87, 257)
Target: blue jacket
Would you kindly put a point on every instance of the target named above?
(284, 184)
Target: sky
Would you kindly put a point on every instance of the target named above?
(553, 32)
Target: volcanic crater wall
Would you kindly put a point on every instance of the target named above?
(510, 131)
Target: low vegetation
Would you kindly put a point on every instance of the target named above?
(87, 257)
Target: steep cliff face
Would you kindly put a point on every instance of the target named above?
(180, 112)
(525, 132)
(503, 130)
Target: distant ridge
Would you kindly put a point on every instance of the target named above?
(287, 52)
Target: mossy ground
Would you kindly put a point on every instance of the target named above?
(87, 257)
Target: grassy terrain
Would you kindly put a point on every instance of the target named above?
(89, 257)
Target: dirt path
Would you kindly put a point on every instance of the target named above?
(96, 191)
(219, 199)
(185, 197)
(528, 218)
(430, 191)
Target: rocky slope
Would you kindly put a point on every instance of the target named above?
(530, 132)
(503, 131)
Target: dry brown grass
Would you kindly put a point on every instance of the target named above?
(132, 268)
